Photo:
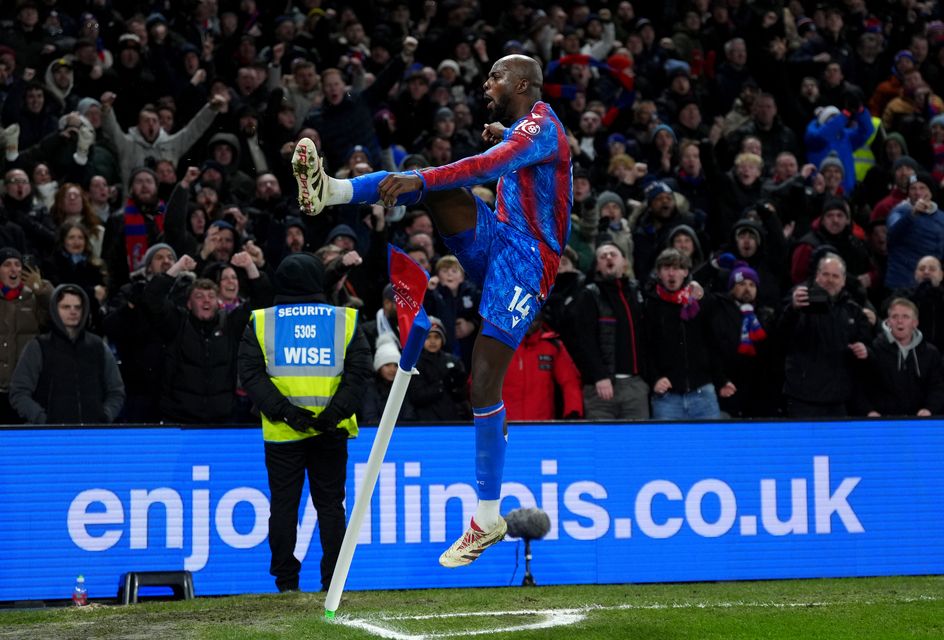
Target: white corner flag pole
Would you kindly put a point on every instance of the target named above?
(391, 412)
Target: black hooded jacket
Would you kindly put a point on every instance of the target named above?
(67, 379)
(199, 364)
(900, 382)
(299, 279)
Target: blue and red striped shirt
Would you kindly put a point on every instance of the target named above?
(532, 165)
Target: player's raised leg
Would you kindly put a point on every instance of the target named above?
(317, 190)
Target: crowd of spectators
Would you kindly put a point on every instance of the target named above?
(754, 231)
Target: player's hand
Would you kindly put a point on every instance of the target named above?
(604, 389)
(662, 385)
(493, 133)
(395, 185)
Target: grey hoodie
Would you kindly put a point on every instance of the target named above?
(905, 350)
(133, 149)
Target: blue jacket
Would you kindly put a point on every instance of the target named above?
(834, 135)
(911, 236)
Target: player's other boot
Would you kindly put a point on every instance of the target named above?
(473, 542)
(311, 178)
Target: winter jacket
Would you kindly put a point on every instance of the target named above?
(199, 357)
(911, 236)
(834, 135)
(21, 320)
(684, 351)
(236, 184)
(439, 391)
(819, 364)
(752, 375)
(540, 365)
(135, 336)
(900, 381)
(607, 334)
(375, 400)
(63, 379)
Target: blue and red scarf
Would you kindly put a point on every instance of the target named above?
(11, 293)
(136, 232)
(751, 331)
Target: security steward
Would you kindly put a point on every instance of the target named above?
(305, 365)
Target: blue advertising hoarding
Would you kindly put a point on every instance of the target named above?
(628, 503)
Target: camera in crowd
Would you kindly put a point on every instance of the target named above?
(819, 299)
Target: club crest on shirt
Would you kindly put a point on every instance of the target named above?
(529, 127)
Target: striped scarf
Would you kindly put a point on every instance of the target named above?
(751, 331)
(136, 232)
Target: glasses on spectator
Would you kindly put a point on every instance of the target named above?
(17, 181)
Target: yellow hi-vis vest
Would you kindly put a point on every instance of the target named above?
(304, 346)
(863, 157)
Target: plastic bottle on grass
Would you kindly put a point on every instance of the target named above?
(79, 592)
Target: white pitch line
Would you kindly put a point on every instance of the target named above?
(553, 618)
(563, 617)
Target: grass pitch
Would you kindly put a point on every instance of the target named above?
(854, 609)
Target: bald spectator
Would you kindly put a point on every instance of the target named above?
(825, 334)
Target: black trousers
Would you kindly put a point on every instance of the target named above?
(324, 458)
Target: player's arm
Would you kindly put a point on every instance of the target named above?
(519, 147)
(527, 144)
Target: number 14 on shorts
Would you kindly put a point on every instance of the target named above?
(520, 304)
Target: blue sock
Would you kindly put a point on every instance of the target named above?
(365, 190)
(489, 450)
